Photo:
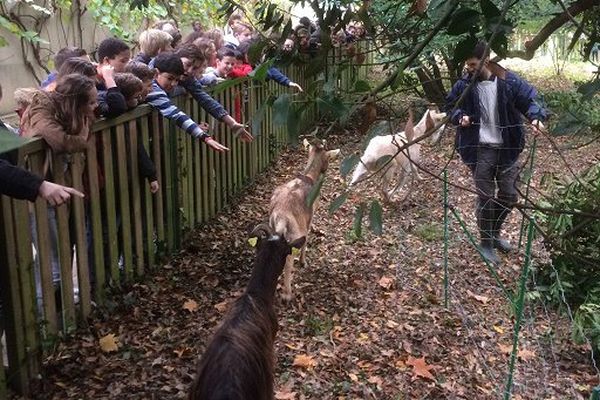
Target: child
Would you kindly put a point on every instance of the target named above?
(170, 69)
(74, 66)
(170, 27)
(226, 60)
(152, 42)
(113, 56)
(273, 73)
(63, 117)
(194, 62)
(114, 52)
(132, 88)
(242, 32)
(23, 98)
(145, 73)
(60, 57)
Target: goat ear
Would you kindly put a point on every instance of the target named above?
(306, 143)
(298, 243)
(429, 124)
(331, 154)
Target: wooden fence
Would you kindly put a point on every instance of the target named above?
(120, 231)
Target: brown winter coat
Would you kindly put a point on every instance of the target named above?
(42, 119)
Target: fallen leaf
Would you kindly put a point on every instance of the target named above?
(190, 305)
(180, 352)
(385, 282)
(498, 329)
(505, 348)
(285, 395)
(526, 355)
(109, 343)
(420, 367)
(477, 297)
(222, 306)
(304, 361)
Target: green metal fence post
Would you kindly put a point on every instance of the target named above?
(528, 185)
(446, 234)
(519, 313)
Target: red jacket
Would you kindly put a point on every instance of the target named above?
(240, 71)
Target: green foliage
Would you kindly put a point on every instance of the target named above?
(576, 112)
(19, 32)
(123, 18)
(376, 218)
(574, 242)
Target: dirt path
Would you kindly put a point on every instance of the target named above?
(364, 309)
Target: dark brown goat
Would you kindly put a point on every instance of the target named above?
(238, 361)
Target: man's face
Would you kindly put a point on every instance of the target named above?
(120, 60)
(167, 81)
(473, 63)
(225, 65)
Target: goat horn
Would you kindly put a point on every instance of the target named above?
(262, 231)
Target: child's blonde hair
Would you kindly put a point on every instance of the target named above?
(152, 41)
(241, 27)
(23, 96)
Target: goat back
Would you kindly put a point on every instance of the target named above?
(290, 215)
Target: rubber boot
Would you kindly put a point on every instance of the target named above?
(501, 212)
(486, 223)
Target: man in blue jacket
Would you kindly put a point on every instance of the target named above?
(490, 137)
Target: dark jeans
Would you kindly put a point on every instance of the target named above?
(494, 180)
(496, 184)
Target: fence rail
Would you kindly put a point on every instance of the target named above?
(120, 231)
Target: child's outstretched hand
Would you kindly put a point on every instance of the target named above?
(213, 144)
(204, 126)
(154, 187)
(240, 129)
(296, 86)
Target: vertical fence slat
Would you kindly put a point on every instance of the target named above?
(28, 292)
(44, 253)
(12, 304)
(95, 222)
(133, 134)
(123, 199)
(157, 127)
(169, 200)
(83, 270)
(147, 199)
(110, 216)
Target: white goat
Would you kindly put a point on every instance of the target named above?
(290, 213)
(400, 166)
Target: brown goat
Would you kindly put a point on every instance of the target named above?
(238, 361)
(290, 214)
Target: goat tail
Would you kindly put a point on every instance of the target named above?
(359, 173)
(409, 130)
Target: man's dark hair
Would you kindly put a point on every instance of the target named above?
(190, 51)
(140, 70)
(169, 62)
(226, 52)
(65, 53)
(110, 48)
(481, 50)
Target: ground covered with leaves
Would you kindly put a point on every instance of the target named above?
(368, 320)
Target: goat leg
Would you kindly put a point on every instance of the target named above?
(286, 294)
(303, 256)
